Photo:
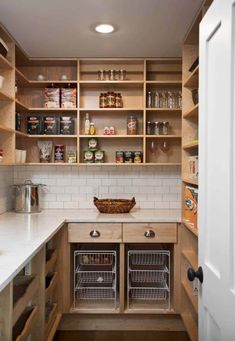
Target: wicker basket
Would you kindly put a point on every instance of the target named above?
(114, 205)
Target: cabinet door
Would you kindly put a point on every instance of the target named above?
(217, 173)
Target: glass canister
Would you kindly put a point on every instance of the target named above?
(165, 128)
(122, 74)
(112, 75)
(149, 100)
(102, 101)
(149, 129)
(111, 103)
(157, 128)
(132, 125)
(101, 75)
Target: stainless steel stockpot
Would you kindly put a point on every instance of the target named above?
(27, 197)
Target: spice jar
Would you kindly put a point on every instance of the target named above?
(111, 100)
(92, 128)
(149, 126)
(111, 75)
(118, 101)
(157, 128)
(102, 101)
(165, 128)
(132, 124)
(122, 75)
(101, 75)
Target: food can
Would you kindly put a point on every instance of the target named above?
(137, 157)
(88, 156)
(59, 153)
(99, 156)
(92, 143)
(119, 156)
(128, 157)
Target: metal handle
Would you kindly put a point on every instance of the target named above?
(149, 234)
(195, 274)
(95, 234)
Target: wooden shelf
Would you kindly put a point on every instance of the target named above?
(51, 136)
(192, 113)
(192, 81)
(5, 64)
(54, 281)
(53, 109)
(191, 145)
(50, 264)
(4, 129)
(189, 292)
(111, 136)
(163, 136)
(190, 227)
(21, 79)
(111, 109)
(191, 181)
(51, 320)
(29, 324)
(191, 326)
(25, 299)
(5, 97)
(173, 110)
(165, 83)
(191, 257)
(20, 106)
(97, 83)
(54, 327)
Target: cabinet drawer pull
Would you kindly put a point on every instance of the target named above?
(95, 234)
(149, 234)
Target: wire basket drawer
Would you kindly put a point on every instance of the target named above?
(95, 277)
(156, 294)
(142, 276)
(95, 294)
(147, 258)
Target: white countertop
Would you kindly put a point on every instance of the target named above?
(22, 235)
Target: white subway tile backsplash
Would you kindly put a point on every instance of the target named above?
(75, 187)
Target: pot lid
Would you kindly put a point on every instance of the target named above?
(28, 183)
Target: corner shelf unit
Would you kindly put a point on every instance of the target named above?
(142, 75)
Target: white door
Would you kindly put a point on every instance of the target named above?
(217, 173)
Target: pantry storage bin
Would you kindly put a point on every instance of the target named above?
(95, 277)
(148, 280)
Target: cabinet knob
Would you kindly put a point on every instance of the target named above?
(95, 234)
(149, 234)
(195, 274)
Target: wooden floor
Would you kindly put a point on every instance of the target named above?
(121, 336)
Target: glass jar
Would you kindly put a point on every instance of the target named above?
(165, 128)
(118, 100)
(101, 75)
(132, 125)
(170, 100)
(149, 100)
(122, 75)
(179, 99)
(149, 128)
(157, 128)
(111, 100)
(112, 75)
(102, 101)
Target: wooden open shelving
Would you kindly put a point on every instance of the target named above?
(193, 112)
(141, 74)
(192, 80)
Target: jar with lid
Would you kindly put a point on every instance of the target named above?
(118, 100)
(149, 129)
(112, 75)
(101, 75)
(132, 125)
(157, 128)
(111, 100)
(165, 128)
(122, 75)
(179, 99)
(92, 128)
(102, 100)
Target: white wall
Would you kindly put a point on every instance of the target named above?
(74, 187)
(6, 181)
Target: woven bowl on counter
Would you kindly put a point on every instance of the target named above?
(114, 205)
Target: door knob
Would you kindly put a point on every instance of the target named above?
(149, 234)
(195, 274)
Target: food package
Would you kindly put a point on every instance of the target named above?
(50, 125)
(52, 97)
(68, 97)
(45, 151)
(190, 205)
(34, 125)
(66, 125)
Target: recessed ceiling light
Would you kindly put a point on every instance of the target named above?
(104, 28)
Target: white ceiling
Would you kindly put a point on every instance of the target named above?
(63, 28)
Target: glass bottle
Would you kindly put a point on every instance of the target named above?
(165, 128)
(149, 128)
(157, 99)
(87, 125)
(170, 100)
(149, 99)
(164, 99)
(92, 128)
(179, 99)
